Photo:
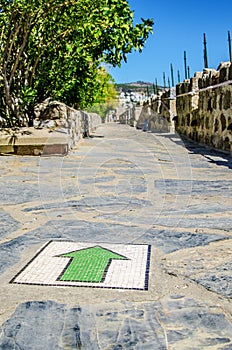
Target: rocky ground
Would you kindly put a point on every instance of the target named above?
(122, 186)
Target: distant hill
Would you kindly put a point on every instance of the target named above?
(138, 86)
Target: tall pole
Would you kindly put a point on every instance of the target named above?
(156, 85)
(154, 89)
(172, 76)
(205, 53)
(188, 72)
(178, 76)
(164, 78)
(169, 85)
(185, 65)
(229, 41)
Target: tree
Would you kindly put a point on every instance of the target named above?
(105, 94)
(54, 48)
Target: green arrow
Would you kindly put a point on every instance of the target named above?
(88, 265)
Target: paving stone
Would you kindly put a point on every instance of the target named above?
(124, 188)
(198, 265)
(170, 241)
(110, 203)
(10, 252)
(218, 283)
(213, 222)
(7, 224)
(182, 186)
(41, 325)
(18, 192)
(79, 230)
(49, 325)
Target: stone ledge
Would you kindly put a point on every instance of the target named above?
(34, 142)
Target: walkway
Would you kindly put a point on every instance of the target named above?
(125, 243)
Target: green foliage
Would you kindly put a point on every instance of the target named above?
(54, 48)
(105, 97)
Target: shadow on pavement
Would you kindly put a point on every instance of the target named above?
(214, 156)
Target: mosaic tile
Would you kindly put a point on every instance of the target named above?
(97, 265)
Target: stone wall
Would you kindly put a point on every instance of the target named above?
(130, 116)
(156, 114)
(57, 128)
(201, 108)
(57, 116)
(162, 111)
(204, 109)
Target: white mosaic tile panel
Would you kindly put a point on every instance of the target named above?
(47, 266)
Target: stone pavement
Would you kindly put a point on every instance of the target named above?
(148, 214)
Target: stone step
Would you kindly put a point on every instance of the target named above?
(34, 142)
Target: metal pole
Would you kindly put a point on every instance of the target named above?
(169, 85)
(205, 53)
(178, 76)
(156, 85)
(164, 78)
(172, 76)
(185, 65)
(188, 72)
(229, 41)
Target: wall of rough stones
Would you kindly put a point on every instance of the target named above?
(156, 114)
(200, 107)
(160, 111)
(60, 117)
(57, 129)
(130, 116)
(204, 107)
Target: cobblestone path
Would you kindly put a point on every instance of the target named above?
(126, 243)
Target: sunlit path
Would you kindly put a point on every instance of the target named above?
(123, 243)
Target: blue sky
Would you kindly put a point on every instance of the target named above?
(179, 26)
